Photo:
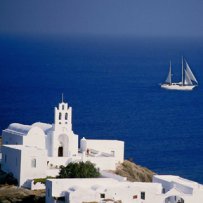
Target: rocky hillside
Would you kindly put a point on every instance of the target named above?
(134, 172)
(10, 194)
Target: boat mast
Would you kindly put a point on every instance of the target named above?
(170, 73)
(182, 73)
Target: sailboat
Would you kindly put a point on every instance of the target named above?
(188, 81)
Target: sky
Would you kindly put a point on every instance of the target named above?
(102, 17)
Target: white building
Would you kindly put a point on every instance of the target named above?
(179, 190)
(164, 189)
(38, 150)
(100, 190)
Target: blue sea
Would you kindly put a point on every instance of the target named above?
(112, 83)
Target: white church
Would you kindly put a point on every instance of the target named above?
(38, 150)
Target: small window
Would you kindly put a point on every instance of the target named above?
(59, 116)
(62, 107)
(143, 195)
(163, 191)
(33, 163)
(102, 195)
(134, 196)
(66, 116)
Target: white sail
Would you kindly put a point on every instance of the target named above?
(187, 80)
(189, 73)
(168, 79)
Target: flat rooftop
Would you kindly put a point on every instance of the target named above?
(21, 147)
(105, 182)
(178, 179)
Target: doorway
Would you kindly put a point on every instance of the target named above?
(60, 151)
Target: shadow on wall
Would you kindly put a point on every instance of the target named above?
(7, 178)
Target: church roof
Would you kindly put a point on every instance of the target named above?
(24, 129)
(44, 126)
(20, 128)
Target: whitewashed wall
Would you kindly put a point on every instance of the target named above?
(35, 138)
(29, 172)
(11, 161)
(107, 174)
(113, 147)
(83, 190)
(188, 190)
(11, 138)
(103, 163)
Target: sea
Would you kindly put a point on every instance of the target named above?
(113, 86)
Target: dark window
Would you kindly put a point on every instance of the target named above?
(33, 163)
(62, 107)
(143, 195)
(59, 116)
(66, 116)
(102, 195)
(163, 191)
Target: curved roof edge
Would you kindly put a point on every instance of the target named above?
(24, 129)
(17, 127)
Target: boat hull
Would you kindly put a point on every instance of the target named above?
(175, 86)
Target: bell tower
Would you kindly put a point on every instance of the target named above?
(63, 141)
(63, 117)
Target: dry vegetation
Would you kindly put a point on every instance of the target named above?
(134, 173)
(10, 193)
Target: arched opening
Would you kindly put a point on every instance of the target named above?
(174, 199)
(63, 145)
(66, 116)
(60, 151)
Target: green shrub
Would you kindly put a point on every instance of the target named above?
(79, 170)
(42, 180)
